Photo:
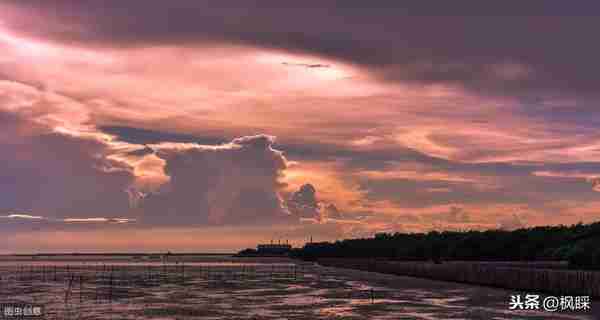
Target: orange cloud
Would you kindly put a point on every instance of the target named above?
(330, 179)
(415, 171)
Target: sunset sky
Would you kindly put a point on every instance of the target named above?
(195, 126)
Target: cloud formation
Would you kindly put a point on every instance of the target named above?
(304, 203)
(233, 183)
(481, 47)
(400, 118)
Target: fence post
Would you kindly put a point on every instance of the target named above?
(80, 289)
(110, 288)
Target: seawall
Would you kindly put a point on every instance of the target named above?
(557, 282)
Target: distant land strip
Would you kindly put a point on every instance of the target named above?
(118, 254)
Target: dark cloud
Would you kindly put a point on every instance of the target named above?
(306, 65)
(145, 136)
(521, 49)
(58, 175)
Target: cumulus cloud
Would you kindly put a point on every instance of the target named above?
(232, 183)
(595, 184)
(66, 171)
(331, 211)
(304, 204)
(64, 168)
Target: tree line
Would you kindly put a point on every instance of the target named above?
(578, 244)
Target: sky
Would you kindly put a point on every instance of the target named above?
(210, 127)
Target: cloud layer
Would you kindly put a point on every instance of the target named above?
(394, 118)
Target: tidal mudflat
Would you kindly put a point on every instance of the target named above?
(230, 288)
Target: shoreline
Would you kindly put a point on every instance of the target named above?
(266, 291)
(117, 254)
(562, 282)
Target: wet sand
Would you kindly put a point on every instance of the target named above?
(310, 292)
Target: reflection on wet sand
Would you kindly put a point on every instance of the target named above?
(233, 290)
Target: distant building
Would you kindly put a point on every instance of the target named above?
(273, 249)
